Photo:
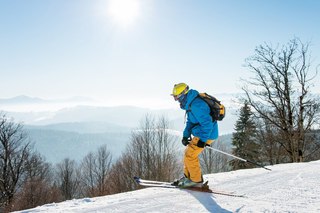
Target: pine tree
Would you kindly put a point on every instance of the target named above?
(244, 139)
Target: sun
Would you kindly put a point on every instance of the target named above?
(123, 12)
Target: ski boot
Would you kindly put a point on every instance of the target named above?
(177, 181)
(187, 183)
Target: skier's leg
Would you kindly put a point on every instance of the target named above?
(209, 142)
(192, 168)
(191, 161)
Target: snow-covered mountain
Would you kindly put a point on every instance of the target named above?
(287, 188)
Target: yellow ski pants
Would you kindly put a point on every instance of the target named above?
(192, 169)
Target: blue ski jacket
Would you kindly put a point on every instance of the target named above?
(199, 122)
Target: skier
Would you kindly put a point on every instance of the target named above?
(201, 126)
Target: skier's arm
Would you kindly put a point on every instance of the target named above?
(202, 113)
(187, 129)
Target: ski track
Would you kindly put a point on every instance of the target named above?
(284, 190)
(287, 188)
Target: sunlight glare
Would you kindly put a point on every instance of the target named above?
(123, 12)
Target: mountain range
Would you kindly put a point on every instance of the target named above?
(74, 130)
(23, 99)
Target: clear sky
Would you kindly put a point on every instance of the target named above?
(133, 51)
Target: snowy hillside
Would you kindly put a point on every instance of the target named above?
(287, 188)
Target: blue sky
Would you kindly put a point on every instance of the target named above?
(132, 52)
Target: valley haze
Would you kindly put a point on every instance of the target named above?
(72, 127)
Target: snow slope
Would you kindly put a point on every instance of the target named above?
(287, 188)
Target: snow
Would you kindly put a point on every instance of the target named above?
(291, 187)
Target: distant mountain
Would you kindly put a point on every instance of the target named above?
(75, 131)
(75, 140)
(83, 127)
(22, 99)
(37, 105)
(56, 145)
(129, 116)
(77, 99)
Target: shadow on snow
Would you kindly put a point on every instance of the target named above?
(207, 200)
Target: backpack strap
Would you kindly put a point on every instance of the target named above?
(189, 107)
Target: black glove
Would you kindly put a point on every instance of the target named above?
(185, 141)
(201, 144)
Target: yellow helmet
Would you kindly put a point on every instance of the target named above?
(179, 90)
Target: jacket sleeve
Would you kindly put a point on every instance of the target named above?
(201, 112)
(188, 128)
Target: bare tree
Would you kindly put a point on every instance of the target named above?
(166, 166)
(88, 180)
(154, 150)
(280, 94)
(14, 151)
(68, 179)
(214, 162)
(271, 151)
(103, 167)
(37, 185)
(122, 173)
(151, 154)
(95, 169)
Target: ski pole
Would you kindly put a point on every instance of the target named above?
(217, 150)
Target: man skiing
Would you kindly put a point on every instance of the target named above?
(201, 126)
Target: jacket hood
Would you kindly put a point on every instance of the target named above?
(191, 95)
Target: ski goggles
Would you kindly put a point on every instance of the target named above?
(181, 95)
(177, 97)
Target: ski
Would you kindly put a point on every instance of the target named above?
(139, 180)
(158, 185)
(161, 184)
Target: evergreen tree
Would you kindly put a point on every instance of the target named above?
(243, 139)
